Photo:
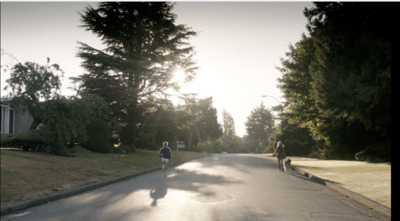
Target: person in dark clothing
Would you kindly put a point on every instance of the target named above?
(280, 154)
(165, 154)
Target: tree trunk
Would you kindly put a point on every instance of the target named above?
(34, 124)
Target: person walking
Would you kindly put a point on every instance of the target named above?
(165, 154)
(280, 154)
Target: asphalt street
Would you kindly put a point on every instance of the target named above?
(217, 187)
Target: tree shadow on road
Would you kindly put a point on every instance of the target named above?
(139, 195)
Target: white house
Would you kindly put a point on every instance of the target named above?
(13, 121)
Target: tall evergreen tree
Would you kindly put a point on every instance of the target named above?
(228, 124)
(337, 81)
(143, 48)
(296, 83)
(352, 69)
(259, 126)
(197, 122)
(228, 130)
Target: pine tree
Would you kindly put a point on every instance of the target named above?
(143, 48)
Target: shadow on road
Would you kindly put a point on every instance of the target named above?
(151, 187)
(242, 162)
(158, 192)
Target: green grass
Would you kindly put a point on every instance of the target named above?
(372, 180)
(28, 175)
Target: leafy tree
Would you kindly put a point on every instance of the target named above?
(228, 124)
(31, 84)
(194, 122)
(259, 126)
(208, 123)
(339, 134)
(229, 133)
(197, 122)
(296, 82)
(337, 81)
(99, 134)
(236, 145)
(67, 119)
(160, 126)
(296, 138)
(302, 115)
(143, 48)
(352, 69)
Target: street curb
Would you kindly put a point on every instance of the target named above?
(15, 208)
(56, 196)
(384, 210)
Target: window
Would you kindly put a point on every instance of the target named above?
(7, 120)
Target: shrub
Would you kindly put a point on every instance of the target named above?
(33, 140)
(99, 133)
(67, 119)
(202, 148)
(319, 153)
(269, 149)
(127, 138)
(146, 140)
(375, 153)
(217, 146)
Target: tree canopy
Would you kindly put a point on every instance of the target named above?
(31, 84)
(143, 48)
(352, 69)
(194, 122)
(259, 126)
(337, 80)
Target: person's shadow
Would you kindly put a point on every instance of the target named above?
(158, 192)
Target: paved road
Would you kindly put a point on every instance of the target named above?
(219, 187)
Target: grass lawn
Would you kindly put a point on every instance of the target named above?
(372, 180)
(28, 175)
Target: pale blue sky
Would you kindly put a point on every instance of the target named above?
(239, 45)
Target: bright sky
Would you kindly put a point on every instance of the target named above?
(238, 46)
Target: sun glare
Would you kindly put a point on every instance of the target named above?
(179, 76)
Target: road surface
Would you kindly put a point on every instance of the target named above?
(219, 187)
